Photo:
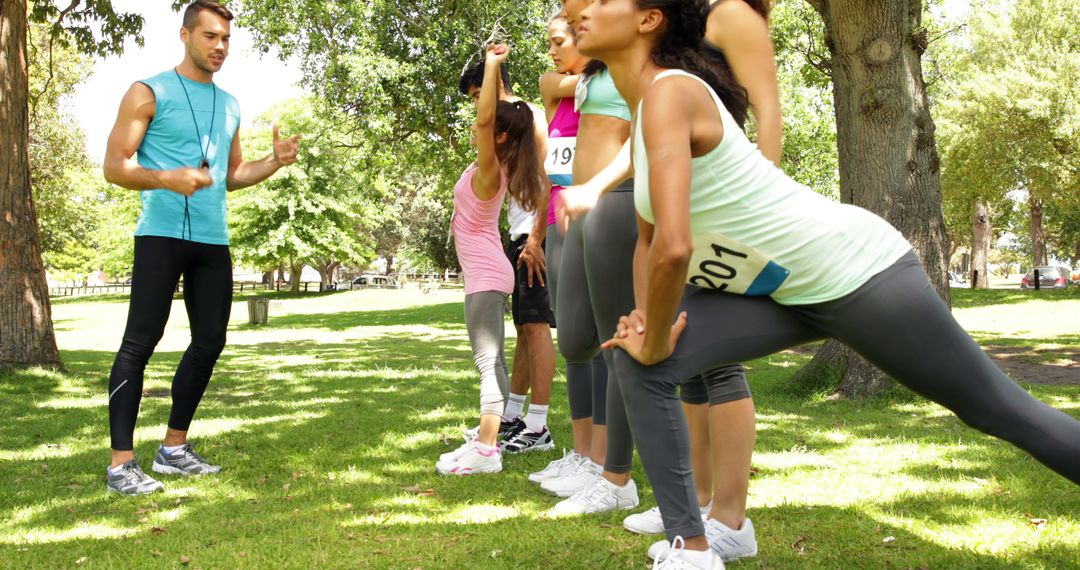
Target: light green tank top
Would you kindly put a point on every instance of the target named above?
(597, 95)
(758, 232)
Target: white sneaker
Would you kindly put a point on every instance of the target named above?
(452, 455)
(556, 467)
(572, 479)
(602, 496)
(650, 522)
(474, 460)
(727, 543)
(678, 558)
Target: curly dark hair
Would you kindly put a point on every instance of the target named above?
(681, 46)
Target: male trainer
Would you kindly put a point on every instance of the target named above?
(176, 141)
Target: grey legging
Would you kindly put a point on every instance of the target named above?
(484, 318)
(895, 320)
(610, 236)
(586, 376)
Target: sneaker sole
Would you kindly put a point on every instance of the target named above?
(170, 470)
(135, 494)
(442, 471)
(565, 514)
(540, 479)
(731, 559)
(642, 532)
(530, 449)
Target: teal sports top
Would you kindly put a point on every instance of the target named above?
(173, 141)
(597, 95)
(758, 232)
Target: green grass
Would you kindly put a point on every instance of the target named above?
(328, 421)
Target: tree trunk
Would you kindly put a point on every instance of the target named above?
(980, 245)
(326, 273)
(26, 328)
(389, 264)
(1037, 231)
(885, 140)
(296, 271)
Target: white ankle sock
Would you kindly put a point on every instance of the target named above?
(536, 419)
(514, 404)
(171, 449)
(115, 470)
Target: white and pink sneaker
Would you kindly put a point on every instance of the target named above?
(474, 458)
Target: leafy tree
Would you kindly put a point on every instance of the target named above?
(1010, 122)
(26, 330)
(888, 158)
(391, 68)
(311, 213)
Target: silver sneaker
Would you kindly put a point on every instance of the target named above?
(130, 480)
(184, 462)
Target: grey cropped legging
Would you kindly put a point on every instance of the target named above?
(598, 257)
(895, 320)
(586, 373)
(485, 320)
(578, 342)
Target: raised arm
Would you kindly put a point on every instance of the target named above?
(488, 178)
(121, 167)
(251, 172)
(554, 87)
(743, 35)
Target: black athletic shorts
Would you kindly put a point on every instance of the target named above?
(528, 304)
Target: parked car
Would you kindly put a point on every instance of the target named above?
(956, 280)
(375, 280)
(1050, 277)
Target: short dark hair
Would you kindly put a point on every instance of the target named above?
(191, 13)
(473, 76)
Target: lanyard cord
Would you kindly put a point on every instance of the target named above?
(186, 224)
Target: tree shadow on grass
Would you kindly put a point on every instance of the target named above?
(329, 451)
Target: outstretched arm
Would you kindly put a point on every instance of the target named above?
(244, 173)
(121, 167)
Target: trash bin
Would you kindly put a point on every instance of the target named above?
(258, 310)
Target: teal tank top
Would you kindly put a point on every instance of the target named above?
(597, 95)
(758, 232)
(172, 141)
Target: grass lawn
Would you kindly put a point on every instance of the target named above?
(329, 419)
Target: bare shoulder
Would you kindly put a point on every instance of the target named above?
(140, 100)
(675, 94)
(733, 18)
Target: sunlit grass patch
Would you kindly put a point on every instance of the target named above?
(329, 419)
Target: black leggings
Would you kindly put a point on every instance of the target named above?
(895, 320)
(159, 263)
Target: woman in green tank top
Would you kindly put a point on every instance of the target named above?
(891, 315)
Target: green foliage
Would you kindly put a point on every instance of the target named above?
(1012, 118)
(810, 154)
(90, 28)
(310, 212)
(391, 69)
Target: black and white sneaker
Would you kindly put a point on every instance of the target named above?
(507, 430)
(183, 462)
(129, 479)
(529, 440)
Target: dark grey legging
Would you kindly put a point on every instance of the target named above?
(586, 373)
(610, 236)
(895, 320)
(485, 314)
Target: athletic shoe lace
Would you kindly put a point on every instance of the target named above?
(189, 452)
(671, 560)
(594, 493)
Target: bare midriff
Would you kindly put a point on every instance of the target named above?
(599, 140)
